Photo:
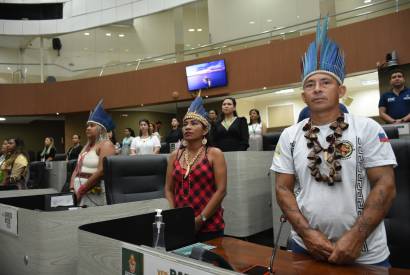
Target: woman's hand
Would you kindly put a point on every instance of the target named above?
(198, 223)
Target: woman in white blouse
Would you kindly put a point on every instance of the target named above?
(145, 143)
(256, 130)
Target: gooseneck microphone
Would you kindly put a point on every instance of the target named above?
(276, 245)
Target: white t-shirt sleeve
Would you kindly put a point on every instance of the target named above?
(134, 143)
(282, 157)
(156, 142)
(377, 150)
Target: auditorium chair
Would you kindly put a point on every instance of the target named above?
(397, 221)
(36, 175)
(134, 178)
(70, 169)
(164, 148)
(270, 140)
(392, 132)
(59, 157)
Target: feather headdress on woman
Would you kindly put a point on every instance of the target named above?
(197, 111)
(323, 55)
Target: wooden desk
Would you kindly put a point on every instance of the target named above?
(242, 255)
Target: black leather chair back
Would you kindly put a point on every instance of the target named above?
(270, 140)
(71, 164)
(36, 175)
(397, 221)
(164, 148)
(59, 157)
(392, 132)
(134, 178)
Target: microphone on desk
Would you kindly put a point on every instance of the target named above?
(276, 245)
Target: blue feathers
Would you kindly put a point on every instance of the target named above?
(197, 106)
(323, 54)
(99, 116)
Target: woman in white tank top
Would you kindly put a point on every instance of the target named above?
(86, 180)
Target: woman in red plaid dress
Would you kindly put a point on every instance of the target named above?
(196, 175)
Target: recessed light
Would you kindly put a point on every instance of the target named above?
(282, 33)
(121, 35)
(2, 118)
(268, 20)
(86, 33)
(57, 113)
(199, 30)
(191, 30)
(264, 88)
(108, 34)
(285, 91)
(206, 96)
(8, 68)
(251, 22)
(367, 1)
(297, 16)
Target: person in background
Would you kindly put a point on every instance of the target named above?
(305, 113)
(145, 143)
(3, 154)
(212, 118)
(74, 150)
(49, 151)
(334, 176)
(175, 135)
(231, 132)
(154, 130)
(113, 139)
(197, 175)
(15, 167)
(256, 130)
(126, 141)
(158, 126)
(88, 174)
(394, 106)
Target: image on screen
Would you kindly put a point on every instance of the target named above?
(206, 75)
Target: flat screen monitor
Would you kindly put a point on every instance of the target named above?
(206, 75)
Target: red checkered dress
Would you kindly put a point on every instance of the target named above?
(196, 191)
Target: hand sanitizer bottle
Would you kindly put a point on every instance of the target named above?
(158, 231)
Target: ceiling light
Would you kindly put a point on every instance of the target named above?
(282, 33)
(285, 91)
(108, 34)
(191, 30)
(264, 88)
(199, 30)
(188, 45)
(86, 33)
(57, 113)
(367, 1)
(8, 68)
(370, 82)
(268, 20)
(121, 35)
(251, 22)
(2, 118)
(297, 16)
(206, 96)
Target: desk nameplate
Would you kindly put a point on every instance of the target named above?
(8, 219)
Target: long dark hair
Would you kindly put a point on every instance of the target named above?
(113, 138)
(147, 122)
(256, 111)
(222, 115)
(131, 131)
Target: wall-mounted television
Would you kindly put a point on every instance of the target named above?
(206, 75)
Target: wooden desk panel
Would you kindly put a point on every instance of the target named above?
(242, 255)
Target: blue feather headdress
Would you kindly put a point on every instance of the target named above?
(100, 117)
(197, 111)
(323, 55)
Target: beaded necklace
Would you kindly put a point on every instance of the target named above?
(188, 162)
(331, 156)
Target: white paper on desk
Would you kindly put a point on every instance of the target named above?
(66, 200)
(8, 219)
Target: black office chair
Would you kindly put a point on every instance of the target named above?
(134, 178)
(164, 148)
(392, 132)
(270, 140)
(397, 221)
(36, 175)
(71, 164)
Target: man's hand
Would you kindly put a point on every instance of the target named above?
(318, 244)
(347, 248)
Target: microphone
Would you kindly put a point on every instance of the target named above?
(275, 249)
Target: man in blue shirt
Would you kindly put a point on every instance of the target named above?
(394, 106)
(305, 113)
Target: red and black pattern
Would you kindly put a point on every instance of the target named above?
(196, 191)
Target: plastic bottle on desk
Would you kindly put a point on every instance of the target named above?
(158, 231)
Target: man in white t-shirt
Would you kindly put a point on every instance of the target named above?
(334, 171)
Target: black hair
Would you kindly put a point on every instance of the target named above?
(259, 115)
(222, 115)
(79, 137)
(131, 131)
(396, 70)
(113, 138)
